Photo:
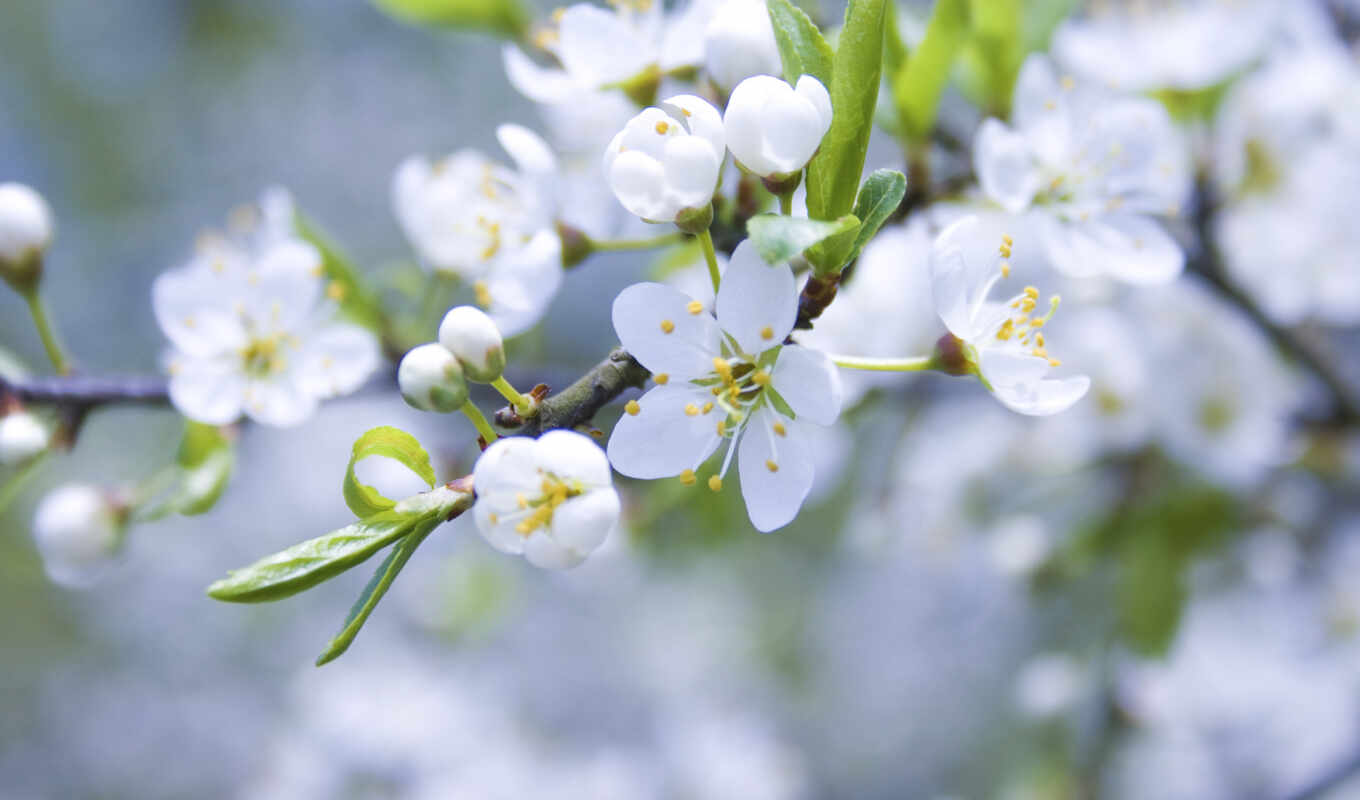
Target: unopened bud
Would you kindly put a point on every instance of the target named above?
(22, 437)
(78, 529)
(695, 220)
(25, 233)
(951, 356)
(475, 341)
(431, 379)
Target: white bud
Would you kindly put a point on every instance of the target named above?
(25, 232)
(551, 499)
(22, 436)
(78, 529)
(666, 160)
(473, 339)
(431, 380)
(739, 42)
(773, 128)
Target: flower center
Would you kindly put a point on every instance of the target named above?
(553, 492)
(264, 356)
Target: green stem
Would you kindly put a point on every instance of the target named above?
(523, 405)
(917, 364)
(711, 256)
(637, 244)
(479, 422)
(786, 204)
(48, 335)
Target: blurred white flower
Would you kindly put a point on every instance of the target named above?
(78, 529)
(473, 338)
(25, 231)
(1018, 545)
(1047, 685)
(551, 499)
(666, 160)
(430, 379)
(773, 128)
(728, 378)
(1136, 45)
(22, 436)
(1093, 169)
(1001, 340)
(739, 42)
(490, 225)
(252, 330)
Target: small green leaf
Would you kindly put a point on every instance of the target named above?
(834, 172)
(507, 18)
(393, 443)
(878, 198)
(356, 300)
(779, 238)
(919, 83)
(374, 591)
(802, 48)
(206, 457)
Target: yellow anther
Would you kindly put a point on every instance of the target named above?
(521, 500)
(667, 326)
(767, 333)
(780, 430)
(1006, 266)
(662, 127)
(1038, 323)
(734, 392)
(1032, 292)
(661, 378)
(722, 427)
(632, 408)
(483, 293)
(1068, 82)
(1006, 237)
(1039, 339)
(715, 483)
(1027, 305)
(707, 407)
(1053, 362)
(336, 291)
(771, 466)
(723, 368)
(687, 477)
(716, 390)
(494, 517)
(691, 410)
(694, 307)
(761, 378)
(1040, 352)
(1049, 105)
(1006, 331)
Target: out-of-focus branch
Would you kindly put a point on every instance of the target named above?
(1208, 263)
(87, 391)
(1337, 776)
(579, 402)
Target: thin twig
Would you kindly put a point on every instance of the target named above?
(88, 391)
(579, 402)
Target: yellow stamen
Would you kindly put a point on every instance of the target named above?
(687, 477)
(691, 410)
(694, 307)
(780, 430)
(661, 378)
(483, 293)
(767, 333)
(667, 326)
(707, 407)
(662, 127)
(761, 378)
(771, 466)
(632, 408)
(715, 483)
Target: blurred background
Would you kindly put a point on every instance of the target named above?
(960, 612)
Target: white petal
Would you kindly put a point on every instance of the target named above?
(773, 497)
(207, 390)
(809, 383)
(639, 182)
(691, 166)
(953, 281)
(1005, 168)
(508, 466)
(1008, 367)
(497, 527)
(338, 359)
(543, 552)
(528, 150)
(642, 313)
(793, 131)
(582, 523)
(281, 402)
(534, 82)
(572, 456)
(599, 47)
(700, 119)
(662, 440)
(194, 310)
(524, 283)
(1042, 110)
(1131, 248)
(757, 303)
(812, 90)
(743, 124)
(1049, 396)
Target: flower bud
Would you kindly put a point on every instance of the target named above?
(22, 437)
(773, 128)
(25, 233)
(473, 339)
(667, 159)
(739, 42)
(431, 380)
(78, 529)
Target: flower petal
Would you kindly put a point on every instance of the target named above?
(338, 358)
(644, 312)
(544, 552)
(662, 440)
(757, 303)
(1048, 396)
(582, 523)
(567, 454)
(1131, 248)
(1005, 168)
(639, 182)
(497, 527)
(208, 390)
(953, 281)
(809, 383)
(691, 166)
(281, 402)
(193, 307)
(524, 283)
(598, 47)
(527, 149)
(773, 496)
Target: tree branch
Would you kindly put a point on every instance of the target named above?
(579, 402)
(86, 391)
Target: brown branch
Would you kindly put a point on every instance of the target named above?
(87, 391)
(577, 404)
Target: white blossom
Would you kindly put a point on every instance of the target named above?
(739, 42)
(252, 329)
(725, 378)
(667, 159)
(430, 379)
(488, 224)
(78, 529)
(1094, 169)
(773, 128)
(25, 229)
(22, 437)
(551, 499)
(473, 338)
(1003, 341)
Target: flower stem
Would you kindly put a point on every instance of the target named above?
(637, 244)
(786, 203)
(917, 364)
(523, 405)
(479, 422)
(51, 344)
(711, 256)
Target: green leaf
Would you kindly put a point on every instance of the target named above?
(207, 457)
(997, 48)
(357, 301)
(507, 18)
(393, 443)
(919, 83)
(779, 238)
(374, 591)
(878, 199)
(834, 172)
(802, 48)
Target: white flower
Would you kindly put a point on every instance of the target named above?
(666, 160)
(727, 379)
(551, 499)
(78, 529)
(739, 42)
(1094, 169)
(773, 128)
(490, 225)
(22, 436)
(431, 380)
(1137, 45)
(251, 330)
(25, 230)
(473, 339)
(1001, 340)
